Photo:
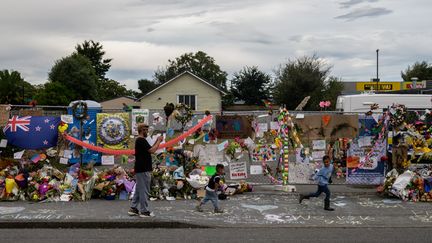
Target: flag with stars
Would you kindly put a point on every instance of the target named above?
(32, 132)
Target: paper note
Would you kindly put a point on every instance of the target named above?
(64, 161)
(256, 170)
(222, 145)
(67, 153)
(3, 143)
(318, 144)
(300, 116)
(67, 119)
(107, 160)
(19, 155)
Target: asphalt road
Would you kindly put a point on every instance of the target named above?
(221, 235)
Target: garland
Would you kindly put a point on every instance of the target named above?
(80, 105)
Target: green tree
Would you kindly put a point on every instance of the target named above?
(251, 85)
(421, 70)
(77, 75)
(112, 89)
(198, 63)
(94, 52)
(333, 87)
(53, 93)
(14, 89)
(299, 78)
(145, 86)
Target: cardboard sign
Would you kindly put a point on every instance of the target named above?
(238, 170)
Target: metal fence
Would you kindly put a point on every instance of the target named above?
(261, 116)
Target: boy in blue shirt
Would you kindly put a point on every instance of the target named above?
(323, 176)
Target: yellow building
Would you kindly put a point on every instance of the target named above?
(387, 86)
(188, 89)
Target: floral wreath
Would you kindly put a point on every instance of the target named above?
(79, 110)
(113, 130)
(184, 114)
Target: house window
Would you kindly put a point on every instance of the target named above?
(189, 100)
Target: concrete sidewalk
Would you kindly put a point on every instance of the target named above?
(265, 207)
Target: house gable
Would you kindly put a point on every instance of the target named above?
(208, 97)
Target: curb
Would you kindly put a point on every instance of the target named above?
(283, 193)
(96, 224)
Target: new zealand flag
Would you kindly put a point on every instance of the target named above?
(32, 132)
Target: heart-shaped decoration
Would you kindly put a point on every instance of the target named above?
(326, 119)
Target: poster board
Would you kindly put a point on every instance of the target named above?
(139, 116)
(209, 154)
(113, 130)
(371, 173)
(233, 126)
(264, 152)
(301, 173)
(327, 127)
(238, 170)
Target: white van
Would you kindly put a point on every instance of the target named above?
(362, 102)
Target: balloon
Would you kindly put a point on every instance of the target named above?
(10, 185)
(170, 143)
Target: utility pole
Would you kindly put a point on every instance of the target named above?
(377, 73)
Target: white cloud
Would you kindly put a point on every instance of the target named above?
(142, 35)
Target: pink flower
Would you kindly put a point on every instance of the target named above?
(327, 103)
(322, 104)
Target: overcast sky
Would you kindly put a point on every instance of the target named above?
(141, 35)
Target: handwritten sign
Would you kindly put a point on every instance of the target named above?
(238, 170)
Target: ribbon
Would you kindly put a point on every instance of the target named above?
(170, 143)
